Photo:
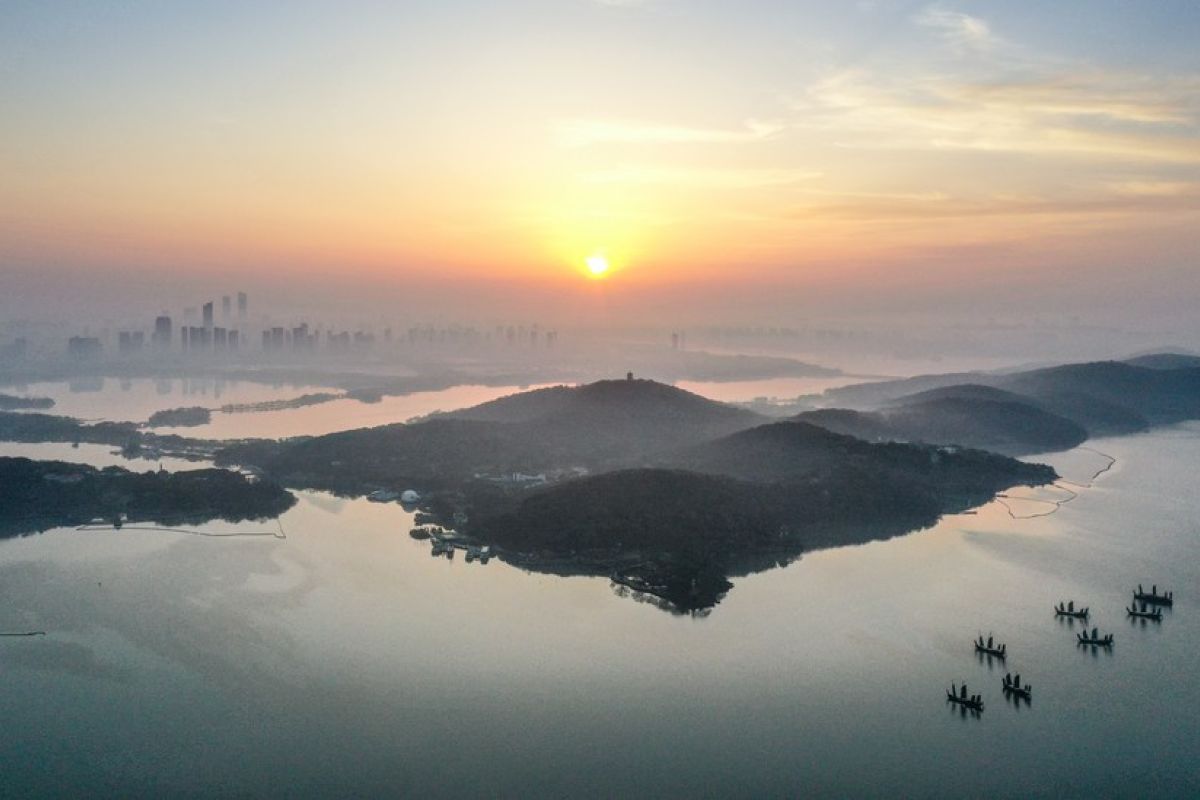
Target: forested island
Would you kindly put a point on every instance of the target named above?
(129, 436)
(9, 402)
(37, 495)
(1023, 411)
(671, 494)
(659, 488)
(188, 417)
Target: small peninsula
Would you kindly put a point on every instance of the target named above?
(38, 495)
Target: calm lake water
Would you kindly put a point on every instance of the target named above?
(343, 415)
(134, 400)
(782, 389)
(344, 661)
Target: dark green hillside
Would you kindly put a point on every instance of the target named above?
(793, 451)
(36, 495)
(10, 402)
(1166, 361)
(1010, 427)
(604, 425)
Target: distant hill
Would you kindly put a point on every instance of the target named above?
(602, 425)
(795, 451)
(742, 502)
(684, 491)
(1113, 396)
(868, 396)
(9, 402)
(960, 391)
(1008, 426)
(1165, 361)
(638, 403)
(519, 407)
(37, 495)
(1000, 411)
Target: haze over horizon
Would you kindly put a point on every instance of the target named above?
(754, 162)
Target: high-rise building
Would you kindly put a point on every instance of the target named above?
(243, 302)
(208, 315)
(130, 342)
(226, 307)
(16, 349)
(162, 331)
(84, 348)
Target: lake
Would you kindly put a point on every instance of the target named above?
(345, 661)
(135, 399)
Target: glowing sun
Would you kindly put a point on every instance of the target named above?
(597, 265)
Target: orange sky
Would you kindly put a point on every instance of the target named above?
(878, 144)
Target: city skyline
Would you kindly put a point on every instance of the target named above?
(789, 157)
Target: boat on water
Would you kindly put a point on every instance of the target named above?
(960, 697)
(991, 648)
(1013, 688)
(1069, 610)
(1095, 639)
(1153, 597)
(1144, 612)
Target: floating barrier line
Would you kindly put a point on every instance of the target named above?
(1092, 481)
(23, 633)
(190, 532)
(1061, 483)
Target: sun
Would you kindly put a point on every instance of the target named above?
(597, 265)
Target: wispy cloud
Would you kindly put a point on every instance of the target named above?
(1116, 200)
(1085, 113)
(961, 31)
(585, 132)
(622, 3)
(731, 178)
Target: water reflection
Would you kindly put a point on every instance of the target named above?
(134, 400)
(345, 661)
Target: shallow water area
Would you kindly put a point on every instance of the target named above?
(342, 415)
(344, 659)
(135, 399)
(772, 389)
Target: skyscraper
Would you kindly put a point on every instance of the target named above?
(162, 331)
(208, 315)
(242, 304)
(226, 307)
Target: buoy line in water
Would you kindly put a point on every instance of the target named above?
(1112, 461)
(23, 633)
(190, 532)
(1061, 483)
(1056, 504)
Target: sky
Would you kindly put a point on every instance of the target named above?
(754, 159)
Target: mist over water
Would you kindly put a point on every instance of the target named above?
(345, 657)
(611, 398)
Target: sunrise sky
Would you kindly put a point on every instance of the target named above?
(812, 146)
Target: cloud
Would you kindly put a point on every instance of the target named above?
(1084, 113)
(725, 178)
(961, 31)
(585, 132)
(1115, 200)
